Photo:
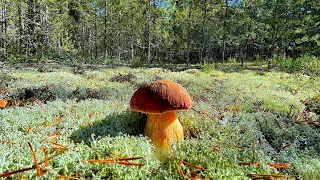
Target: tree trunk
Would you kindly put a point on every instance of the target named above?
(247, 44)
(224, 30)
(274, 30)
(4, 24)
(204, 21)
(96, 38)
(148, 14)
(105, 31)
(21, 29)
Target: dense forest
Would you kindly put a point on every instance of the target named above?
(171, 31)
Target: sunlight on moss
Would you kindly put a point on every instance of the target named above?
(230, 110)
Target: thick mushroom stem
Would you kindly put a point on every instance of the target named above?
(162, 129)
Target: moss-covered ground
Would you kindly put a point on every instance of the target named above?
(238, 117)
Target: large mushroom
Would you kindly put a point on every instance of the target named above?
(160, 99)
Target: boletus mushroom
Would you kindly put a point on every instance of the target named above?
(160, 100)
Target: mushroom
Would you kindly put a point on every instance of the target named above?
(160, 99)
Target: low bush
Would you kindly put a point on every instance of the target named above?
(306, 64)
(136, 63)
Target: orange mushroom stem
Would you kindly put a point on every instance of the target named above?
(163, 129)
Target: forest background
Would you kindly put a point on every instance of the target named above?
(280, 32)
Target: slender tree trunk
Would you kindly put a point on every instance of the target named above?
(105, 30)
(31, 27)
(96, 38)
(274, 29)
(46, 24)
(148, 14)
(132, 40)
(21, 29)
(4, 24)
(90, 44)
(225, 30)
(247, 44)
(204, 21)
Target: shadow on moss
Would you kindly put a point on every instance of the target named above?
(127, 122)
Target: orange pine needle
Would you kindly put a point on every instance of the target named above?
(58, 144)
(37, 102)
(65, 177)
(90, 115)
(244, 163)
(123, 161)
(235, 146)
(190, 165)
(180, 171)
(3, 103)
(129, 163)
(269, 176)
(35, 160)
(193, 166)
(25, 169)
(128, 159)
(248, 163)
(206, 114)
(194, 173)
(60, 150)
(7, 142)
(278, 124)
(46, 161)
(100, 161)
(55, 121)
(57, 133)
(22, 177)
(279, 166)
(216, 148)
(15, 172)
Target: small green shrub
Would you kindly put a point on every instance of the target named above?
(232, 60)
(310, 65)
(136, 63)
(306, 64)
(112, 61)
(290, 65)
(208, 67)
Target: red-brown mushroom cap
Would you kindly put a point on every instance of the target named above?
(160, 96)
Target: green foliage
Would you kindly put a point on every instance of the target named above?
(232, 60)
(310, 65)
(137, 62)
(290, 64)
(175, 32)
(208, 67)
(313, 104)
(306, 64)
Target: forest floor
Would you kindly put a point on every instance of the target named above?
(245, 123)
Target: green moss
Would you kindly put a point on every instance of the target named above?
(230, 109)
